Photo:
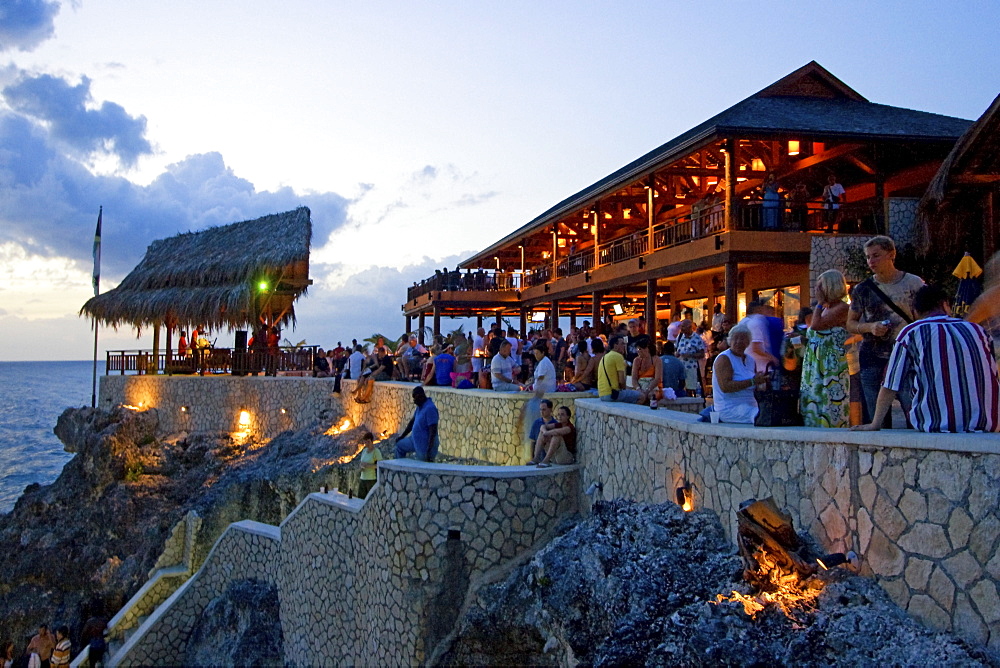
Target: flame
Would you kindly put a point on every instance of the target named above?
(786, 590)
(133, 408)
(338, 429)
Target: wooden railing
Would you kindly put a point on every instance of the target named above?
(211, 361)
(469, 281)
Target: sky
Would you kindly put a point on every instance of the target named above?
(417, 133)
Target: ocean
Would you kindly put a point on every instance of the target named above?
(35, 394)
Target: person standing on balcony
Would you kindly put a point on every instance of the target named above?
(880, 308)
(772, 203)
(799, 205)
(834, 195)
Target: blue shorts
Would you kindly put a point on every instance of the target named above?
(624, 397)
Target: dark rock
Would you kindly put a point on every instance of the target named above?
(240, 628)
(638, 585)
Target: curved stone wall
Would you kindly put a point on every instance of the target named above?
(921, 510)
(374, 582)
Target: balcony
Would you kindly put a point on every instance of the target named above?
(470, 281)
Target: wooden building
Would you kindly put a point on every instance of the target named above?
(687, 225)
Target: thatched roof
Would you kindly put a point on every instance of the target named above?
(212, 277)
(953, 195)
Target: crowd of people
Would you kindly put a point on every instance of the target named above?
(48, 649)
(895, 340)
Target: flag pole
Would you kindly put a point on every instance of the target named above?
(97, 290)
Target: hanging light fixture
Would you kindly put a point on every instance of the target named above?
(793, 147)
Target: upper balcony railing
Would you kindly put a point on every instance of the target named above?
(212, 361)
(698, 222)
(468, 281)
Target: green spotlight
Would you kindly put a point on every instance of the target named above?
(263, 286)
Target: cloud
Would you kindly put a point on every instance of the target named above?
(24, 24)
(66, 112)
(49, 202)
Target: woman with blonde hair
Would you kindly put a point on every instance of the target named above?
(825, 390)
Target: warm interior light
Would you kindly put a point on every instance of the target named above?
(757, 165)
(793, 147)
(607, 216)
(561, 242)
(593, 229)
(546, 255)
(818, 147)
(627, 213)
(244, 420)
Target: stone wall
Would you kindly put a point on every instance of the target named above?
(831, 252)
(378, 582)
(246, 550)
(903, 226)
(475, 424)
(921, 510)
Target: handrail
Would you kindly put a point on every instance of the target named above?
(456, 281)
(211, 360)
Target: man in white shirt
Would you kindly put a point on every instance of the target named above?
(502, 370)
(478, 350)
(355, 362)
(760, 342)
(674, 328)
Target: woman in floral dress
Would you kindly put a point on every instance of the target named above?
(691, 350)
(825, 390)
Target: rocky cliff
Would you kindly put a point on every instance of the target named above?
(84, 544)
(639, 585)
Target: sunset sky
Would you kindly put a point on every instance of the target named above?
(417, 133)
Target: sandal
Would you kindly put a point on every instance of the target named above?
(544, 465)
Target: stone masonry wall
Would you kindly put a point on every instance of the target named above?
(246, 550)
(921, 510)
(374, 582)
(475, 424)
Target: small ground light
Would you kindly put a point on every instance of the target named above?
(685, 498)
(185, 409)
(283, 411)
(244, 419)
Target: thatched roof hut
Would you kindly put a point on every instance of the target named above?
(230, 276)
(961, 206)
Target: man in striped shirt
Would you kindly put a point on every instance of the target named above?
(954, 375)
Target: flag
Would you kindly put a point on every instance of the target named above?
(97, 254)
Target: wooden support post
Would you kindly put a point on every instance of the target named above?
(555, 253)
(479, 322)
(732, 299)
(651, 307)
(555, 314)
(406, 326)
(990, 227)
(421, 323)
(152, 366)
(437, 321)
(650, 213)
(572, 320)
(881, 219)
(524, 322)
(730, 215)
(597, 234)
(170, 344)
(497, 321)
(597, 312)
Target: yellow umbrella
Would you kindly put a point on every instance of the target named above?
(968, 287)
(967, 268)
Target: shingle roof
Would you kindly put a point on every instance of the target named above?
(844, 114)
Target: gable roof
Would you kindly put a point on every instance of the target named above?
(210, 277)
(809, 101)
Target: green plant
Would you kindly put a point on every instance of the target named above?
(295, 346)
(133, 472)
(147, 439)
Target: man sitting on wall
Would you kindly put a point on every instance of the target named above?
(421, 434)
(502, 369)
(611, 376)
(951, 368)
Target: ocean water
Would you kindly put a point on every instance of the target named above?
(33, 395)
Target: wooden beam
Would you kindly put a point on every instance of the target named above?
(973, 179)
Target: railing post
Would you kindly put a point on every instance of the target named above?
(730, 183)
